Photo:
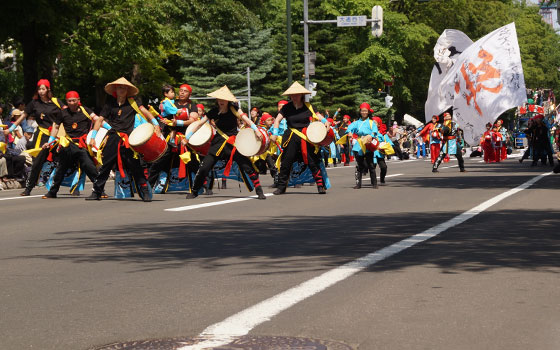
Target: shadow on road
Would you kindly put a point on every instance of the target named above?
(499, 239)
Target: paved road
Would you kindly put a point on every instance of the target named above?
(78, 275)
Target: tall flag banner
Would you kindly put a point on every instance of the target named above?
(485, 81)
(449, 46)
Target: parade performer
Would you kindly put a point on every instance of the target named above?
(177, 114)
(268, 158)
(343, 130)
(298, 115)
(542, 146)
(225, 117)
(497, 142)
(120, 112)
(432, 132)
(452, 143)
(503, 131)
(77, 121)
(363, 132)
(379, 155)
(45, 109)
(486, 144)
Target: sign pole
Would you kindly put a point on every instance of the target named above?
(306, 44)
(289, 34)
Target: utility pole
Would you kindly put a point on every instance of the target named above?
(289, 34)
(248, 89)
(306, 44)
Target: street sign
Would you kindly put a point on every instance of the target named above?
(377, 21)
(351, 21)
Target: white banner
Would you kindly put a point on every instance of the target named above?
(449, 46)
(486, 80)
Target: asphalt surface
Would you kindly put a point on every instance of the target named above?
(78, 275)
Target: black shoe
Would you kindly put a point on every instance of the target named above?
(192, 195)
(375, 186)
(49, 195)
(279, 191)
(382, 181)
(208, 192)
(145, 194)
(76, 193)
(94, 196)
(357, 187)
(260, 193)
(274, 186)
(435, 171)
(463, 170)
(321, 190)
(25, 193)
(521, 160)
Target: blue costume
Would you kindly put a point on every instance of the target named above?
(364, 156)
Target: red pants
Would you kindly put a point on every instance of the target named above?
(498, 154)
(488, 152)
(434, 151)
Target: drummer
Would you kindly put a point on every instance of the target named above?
(181, 113)
(298, 115)
(120, 111)
(363, 131)
(225, 117)
(77, 121)
(45, 109)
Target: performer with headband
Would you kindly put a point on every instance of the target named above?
(362, 130)
(432, 132)
(179, 113)
(120, 112)
(298, 115)
(225, 117)
(45, 109)
(77, 121)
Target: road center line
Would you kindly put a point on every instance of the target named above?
(20, 197)
(204, 205)
(242, 323)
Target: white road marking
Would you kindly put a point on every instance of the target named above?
(20, 197)
(204, 205)
(393, 175)
(242, 323)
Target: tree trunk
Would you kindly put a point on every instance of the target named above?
(30, 52)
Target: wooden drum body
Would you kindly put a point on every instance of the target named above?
(319, 134)
(249, 145)
(144, 140)
(200, 141)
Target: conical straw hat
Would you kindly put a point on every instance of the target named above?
(296, 88)
(223, 93)
(111, 88)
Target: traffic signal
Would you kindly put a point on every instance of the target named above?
(377, 21)
(312, 87)
(388, 101)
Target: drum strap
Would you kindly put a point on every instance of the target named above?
(231, 141)
(304, 141)
(135, 106)
(123, 141)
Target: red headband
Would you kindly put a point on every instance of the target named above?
(186, 86)
(366, 106)
(201, 106)
(44, 82)
(435, 116)
(72, 94)
(283, 102)
(265, 117)
(346, 116)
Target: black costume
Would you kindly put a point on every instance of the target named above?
(221, 148)
(77, 125)
(45, 114)
(121, 118)
(294, 148)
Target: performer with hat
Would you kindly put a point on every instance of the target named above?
(120, 111)
(363, 132)
(295, 145)
(77, 121)
(45, 109)
(452, 143)
(225, 116)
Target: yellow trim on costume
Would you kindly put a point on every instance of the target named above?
(135, 107)
(42, 131)
(222, 134)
